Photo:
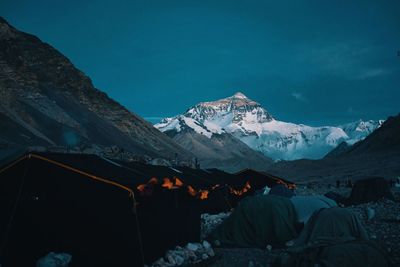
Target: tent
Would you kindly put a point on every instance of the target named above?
(258, 221)
(305, 206)
(333, 237)
(217, 196)
(84, 205)
(369, 189)
(261, 179)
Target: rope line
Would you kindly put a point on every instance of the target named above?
(94, 177)
(13, 163)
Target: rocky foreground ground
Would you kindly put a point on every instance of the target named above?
(381, 219)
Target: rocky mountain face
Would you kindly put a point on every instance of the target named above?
(358, 130)
(377, 155)
(384, 141)
(221, 151)
(45, 100)
(252, 124)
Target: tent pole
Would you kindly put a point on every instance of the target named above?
(15, 207)
(134, 210)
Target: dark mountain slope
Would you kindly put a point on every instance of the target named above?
(56, 104)
(385, 140)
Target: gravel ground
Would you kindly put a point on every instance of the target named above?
(249, 257)
(384, 228)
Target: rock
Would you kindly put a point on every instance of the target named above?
(179, 260)
(181, 253)
(191, 255)
(178, 248)
(370, 213)
(192, 246)
(206, 245)
(54, 260)
(210, 221)
(204, 256)
(290, 243)
(211, 252)
(160, 263)
(170, 258)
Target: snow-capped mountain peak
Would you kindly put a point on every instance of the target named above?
(248, 121)
(236, 110)
(360, 129)
(239, 95)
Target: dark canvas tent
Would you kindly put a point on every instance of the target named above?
(218, 196)
(370, 189)
(49, 208)
(334, 237)
(258, 221)
(83, 205)
(259, 180)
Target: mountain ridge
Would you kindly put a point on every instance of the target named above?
(251, 123)
(376, 155)
(45, 94)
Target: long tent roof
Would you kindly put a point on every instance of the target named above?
(131, 174)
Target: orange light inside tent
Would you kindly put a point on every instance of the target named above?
(290, 186)
(167, 183)
(247, 186)
(203, 194)
(141, 187)
(191, 191)
(239, 192)
(178, 182)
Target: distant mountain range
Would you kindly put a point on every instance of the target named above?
(247, 121)
(46, 101)
(377, 155)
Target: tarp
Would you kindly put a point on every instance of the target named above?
(305, 206)
(334, 237)
(370, 189)
(331, 226)
(258, 221)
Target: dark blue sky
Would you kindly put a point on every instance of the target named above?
(313, 62)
